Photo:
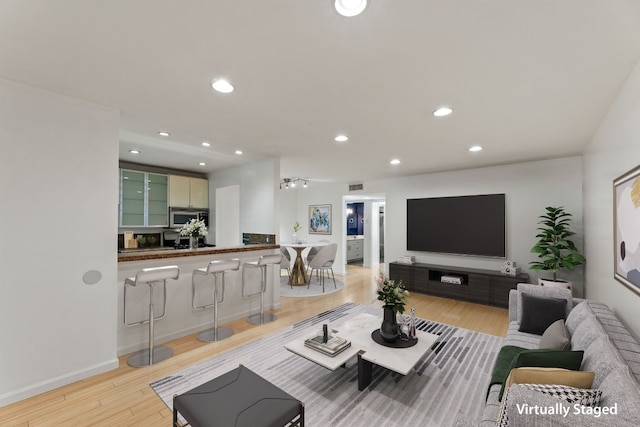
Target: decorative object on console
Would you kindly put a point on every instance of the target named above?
(319, 219)
(406, 259)
(509, 267)
(393, 295)
(554, 248)
(626, 214)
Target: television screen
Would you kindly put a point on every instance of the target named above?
(465, 225)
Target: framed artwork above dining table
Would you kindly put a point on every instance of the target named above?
(320, 219)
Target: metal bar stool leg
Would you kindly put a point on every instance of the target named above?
(216, 334)
(262, 264)
(262, 317)
(151, 355)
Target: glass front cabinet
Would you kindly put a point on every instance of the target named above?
(143, 199)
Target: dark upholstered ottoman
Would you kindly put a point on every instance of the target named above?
(239, 398)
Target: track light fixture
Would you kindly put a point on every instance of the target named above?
(287, 183)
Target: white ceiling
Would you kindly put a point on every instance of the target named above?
(527, 79)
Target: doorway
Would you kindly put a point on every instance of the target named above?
(364, 230)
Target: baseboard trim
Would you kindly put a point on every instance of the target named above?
(53, 383)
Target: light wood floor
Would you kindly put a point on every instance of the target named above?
(122, 397)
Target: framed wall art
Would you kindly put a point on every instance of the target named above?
(626, 229)
(320, 219)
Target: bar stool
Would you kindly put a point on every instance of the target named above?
(217, 268)
(263, 262)
(151, 277)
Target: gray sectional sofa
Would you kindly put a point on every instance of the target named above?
(609, 350)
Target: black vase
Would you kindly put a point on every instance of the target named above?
(389, 330)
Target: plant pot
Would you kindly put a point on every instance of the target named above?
(549, 283)
(389, 330)
(294, 238)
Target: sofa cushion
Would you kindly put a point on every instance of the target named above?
(520, 339)
(556, 336)
(586, 333)
(545, 396)
(577, 315)
(558, 376)
(538, 313)
(621, 389)
(601, 357)
(545, 358)
(542, 291)
(621, 338)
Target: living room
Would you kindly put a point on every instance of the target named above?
(53, 335)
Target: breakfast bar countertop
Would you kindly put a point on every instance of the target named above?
(178, 253)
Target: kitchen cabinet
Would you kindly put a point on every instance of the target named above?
(188, 192)
(143, 199)
(355, 249)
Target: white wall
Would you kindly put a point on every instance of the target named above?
(529, 188)
(59, 193)
(294, 206)
(259, 205)
(614, 150)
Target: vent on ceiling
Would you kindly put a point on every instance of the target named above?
(355, 187)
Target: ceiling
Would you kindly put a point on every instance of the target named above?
(526, 79)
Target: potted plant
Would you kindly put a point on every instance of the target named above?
(194, 229)
(296, 228)
(554, 247)
(393, 296)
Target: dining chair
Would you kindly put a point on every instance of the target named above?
(323, 261)
(313, 251)
(286, 261)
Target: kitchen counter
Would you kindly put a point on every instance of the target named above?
(181, 319)
(149, 254)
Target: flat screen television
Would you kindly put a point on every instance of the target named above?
(463, 225)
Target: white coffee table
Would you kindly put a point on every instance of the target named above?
(358, 331)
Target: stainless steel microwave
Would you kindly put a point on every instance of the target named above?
(180, 216)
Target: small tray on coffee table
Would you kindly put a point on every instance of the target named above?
(399, 343)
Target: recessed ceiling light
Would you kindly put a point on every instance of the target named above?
(341, 138)
(134, 151)
(206, 144)
(202, 164)
(476, 148)
(239, 152)
(395, 162)
(350, 7)
(222, 86)
(443, 111)
(163, 133)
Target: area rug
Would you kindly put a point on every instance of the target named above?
(314, 290)
(447, 386)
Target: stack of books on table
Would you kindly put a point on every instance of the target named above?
(333, 346)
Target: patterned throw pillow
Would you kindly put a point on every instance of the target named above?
(571, 395)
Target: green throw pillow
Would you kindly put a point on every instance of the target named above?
(546, 358)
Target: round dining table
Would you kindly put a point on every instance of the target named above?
(299, 274)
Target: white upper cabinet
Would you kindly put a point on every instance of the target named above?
(199, 192)
(187, 192)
